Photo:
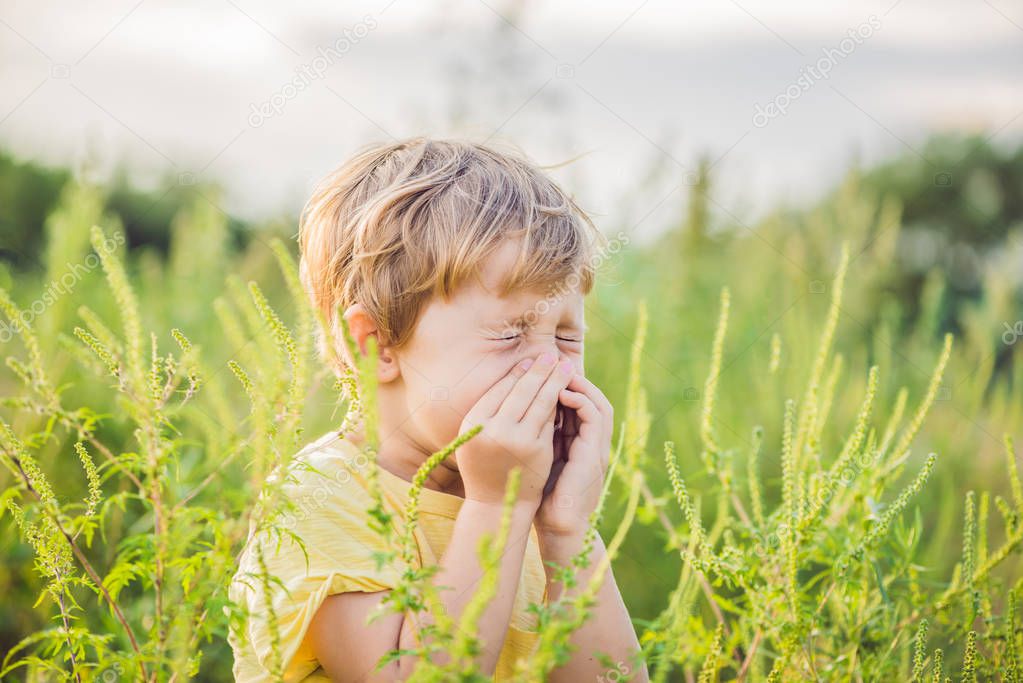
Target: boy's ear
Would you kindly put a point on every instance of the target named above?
(362, 326)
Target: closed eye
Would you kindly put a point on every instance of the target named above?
(513, 337)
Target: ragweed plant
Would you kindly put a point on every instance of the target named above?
(141, 604)
(141, 447)
(826, 586)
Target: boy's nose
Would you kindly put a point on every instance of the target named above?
(550, 349)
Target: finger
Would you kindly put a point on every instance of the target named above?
(570, 423)
(522, 394)
(546, 430)
(567, 418)
(490, 402)
(545, 403)
(592, 391)
(607, 420)
(590, 418)
(562, 440)
(552, 419)
(583, 385)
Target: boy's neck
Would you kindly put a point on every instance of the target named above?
(403, 458)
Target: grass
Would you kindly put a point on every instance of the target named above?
(835, 498)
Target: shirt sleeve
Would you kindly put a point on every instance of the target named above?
(329, 512)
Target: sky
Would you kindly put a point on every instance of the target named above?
(622, 98)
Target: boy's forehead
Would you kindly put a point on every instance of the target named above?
(496, 270)
(487, 288)
(498, 266)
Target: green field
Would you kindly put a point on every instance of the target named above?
(840, 386)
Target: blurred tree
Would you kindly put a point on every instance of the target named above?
(962, 199)
(30, 192)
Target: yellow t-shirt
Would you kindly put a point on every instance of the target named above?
(331, 498)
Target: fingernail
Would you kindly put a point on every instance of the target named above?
(546, 359)
(524, 365)
(565, 366)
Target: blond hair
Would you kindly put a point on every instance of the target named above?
(398, 223)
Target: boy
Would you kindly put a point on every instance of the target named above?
(468, 266)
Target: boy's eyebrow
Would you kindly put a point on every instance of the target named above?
(521, 321)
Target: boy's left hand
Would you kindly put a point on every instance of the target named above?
(582, 448)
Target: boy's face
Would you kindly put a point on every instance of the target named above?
(462, 347)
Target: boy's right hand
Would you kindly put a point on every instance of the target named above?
(517, 415)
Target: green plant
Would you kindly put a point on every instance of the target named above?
(137, 460)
